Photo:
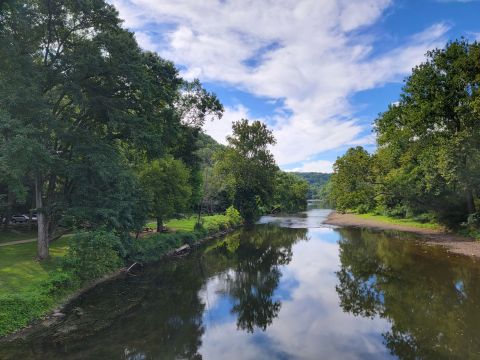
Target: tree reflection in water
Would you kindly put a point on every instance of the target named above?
(431, 299)
(256, 256)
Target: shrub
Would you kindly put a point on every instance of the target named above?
(362, 209)
(156, 246)
(92, 255)
(59, 281)
(233, 216)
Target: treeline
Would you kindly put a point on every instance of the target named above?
(96, 133)
(427, 163)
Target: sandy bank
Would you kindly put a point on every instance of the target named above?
(454, 243)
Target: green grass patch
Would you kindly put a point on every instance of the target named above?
(398, 221)
(20, 271)
(187, 224)
(16, 235)
(211, 223)
(22, 298)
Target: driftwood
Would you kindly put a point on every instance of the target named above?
(182, 250)
(131, 267)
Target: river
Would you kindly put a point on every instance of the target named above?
(290, 288)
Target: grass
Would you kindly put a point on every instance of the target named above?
(22, 284)
(20, 272)
(187, 224)
(182, 224)
(16, 235)
(397, 221)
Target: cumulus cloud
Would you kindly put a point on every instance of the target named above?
(312, 55)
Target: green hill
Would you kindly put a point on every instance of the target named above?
(316, 180)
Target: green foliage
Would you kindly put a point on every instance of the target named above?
(250, 167)
(352, 183)
(428, 158)
(82, 109)
(316, 181)
(92, 255)
(17, 310)
(233, 216)
(156, 246)
(291, 192)
(167, 183)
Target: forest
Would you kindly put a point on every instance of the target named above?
(427, 162)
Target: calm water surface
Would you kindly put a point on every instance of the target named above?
(290, 288)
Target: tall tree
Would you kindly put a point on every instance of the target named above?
(352, 182)
(433, 133)
(167, 182)
(251, 167)
(81, 94)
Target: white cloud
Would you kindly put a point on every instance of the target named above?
(219, 129)
(311, 54)
(323, 166)
(145, 41)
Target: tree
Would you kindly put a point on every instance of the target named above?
(84, 108)
(290, 192)
(251, 167)
(352, 182)
(431, 138)
(167, 183)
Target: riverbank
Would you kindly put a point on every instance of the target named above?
(26, 293)
(434, 235)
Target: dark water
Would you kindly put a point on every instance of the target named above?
(278, 292)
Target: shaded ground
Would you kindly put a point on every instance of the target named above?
(454, 243)
(17, 233)
(18, 242)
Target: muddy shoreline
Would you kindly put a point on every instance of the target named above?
(454, 243)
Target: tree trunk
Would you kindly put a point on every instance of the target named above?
(8, 212)
(470, 202)
(42, 237)
(159, 224)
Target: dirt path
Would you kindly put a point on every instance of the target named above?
(454, 243)
(18, 242)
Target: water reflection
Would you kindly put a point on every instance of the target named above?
(431, 300)
(256, 255)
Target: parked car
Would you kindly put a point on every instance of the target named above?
(18, 219)
(34, 217)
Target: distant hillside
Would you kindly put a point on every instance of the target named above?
(316, 181)
(207, 147)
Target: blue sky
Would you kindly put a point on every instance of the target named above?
(316, 71)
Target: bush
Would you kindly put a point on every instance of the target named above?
(362, 209)
(92, 255)
(156, 246)
(59, 281)
(233, 216)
